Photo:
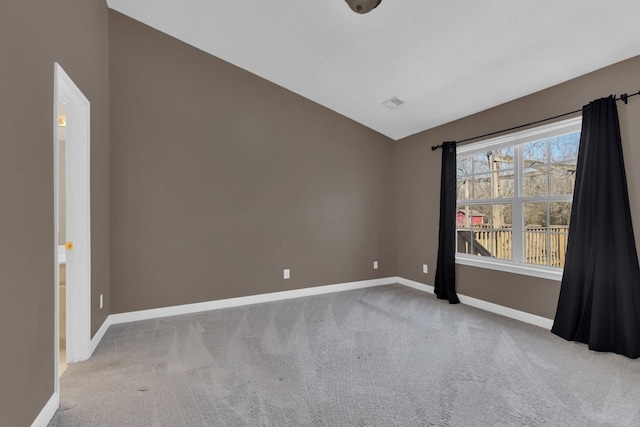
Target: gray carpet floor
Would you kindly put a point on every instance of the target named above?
(383, 356)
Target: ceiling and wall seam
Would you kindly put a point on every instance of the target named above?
(446, 60)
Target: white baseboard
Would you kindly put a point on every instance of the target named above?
(134, 316)
(522, 316)
(98, 336)
(47, 412)
(154, 313)
(415, 285)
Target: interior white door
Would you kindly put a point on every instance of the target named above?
(78, 223)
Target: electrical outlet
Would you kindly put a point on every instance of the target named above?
(375, 265)
(101, 301)
(287, 273)
(425, 268)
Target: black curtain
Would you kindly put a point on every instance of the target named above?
(445, 284)
(600, 292)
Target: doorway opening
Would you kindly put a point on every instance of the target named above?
(72, 252)
(62, 236)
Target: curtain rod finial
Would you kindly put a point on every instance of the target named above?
(435, 147)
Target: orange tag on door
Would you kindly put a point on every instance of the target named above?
(69, 246)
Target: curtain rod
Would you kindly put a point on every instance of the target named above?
(624, 98)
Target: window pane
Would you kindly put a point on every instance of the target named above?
(481, 216)
(482, 241)
(465, 241)
(535, 247)
(535, 235)
(564, 155)
(535, 215)
(487, 242)
(463, 166)
(482, 186)
(485, 230)
(464, 232)
(536, 181)
(535, 153)
(464, 216)
(481, 163)
(505, 186)
(563, 179)
(559, 216)
(535, 168)
(500, 215)
(463, 189)
(503, 245)
(564, 148)
(501, 221)
(557, 249)
(503, 158)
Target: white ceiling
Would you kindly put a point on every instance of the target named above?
(445, 59)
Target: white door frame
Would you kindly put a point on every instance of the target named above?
(78, 223)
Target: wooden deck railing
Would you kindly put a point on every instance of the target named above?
(498, 243)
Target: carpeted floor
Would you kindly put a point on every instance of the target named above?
(384, 356)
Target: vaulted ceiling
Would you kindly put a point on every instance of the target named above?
(444, 59)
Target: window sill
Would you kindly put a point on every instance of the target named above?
(550, 273)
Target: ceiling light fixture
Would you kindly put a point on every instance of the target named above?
(363, 6)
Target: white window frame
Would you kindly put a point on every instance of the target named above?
(516, 139)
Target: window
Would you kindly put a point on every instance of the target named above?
(514, 198)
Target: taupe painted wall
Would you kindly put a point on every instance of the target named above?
(34, 35)
(418, 183)
(220, 180)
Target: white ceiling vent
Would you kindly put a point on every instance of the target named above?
(392, 103)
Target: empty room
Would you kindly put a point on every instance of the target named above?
(332, 213)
